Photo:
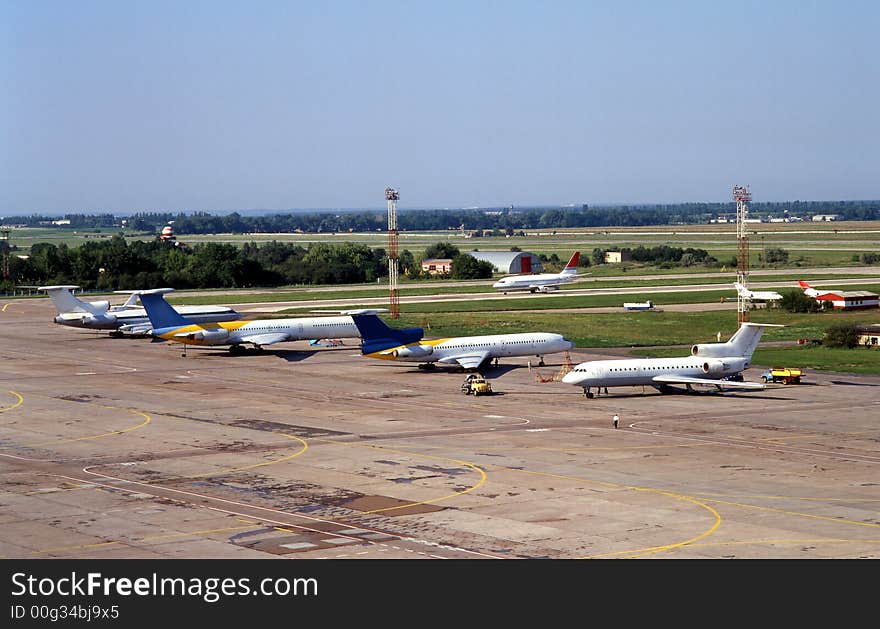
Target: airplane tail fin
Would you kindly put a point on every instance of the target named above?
(744, 342)
(159, 311)
(131, 302)
(377, 336)
(808, 290)
(572, 266)
(65, 301)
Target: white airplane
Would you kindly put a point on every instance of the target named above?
(168, 324)
(469, 352)
(127, 317)
(809, 291)
(717, 364)
(540, 282)
(756, 295)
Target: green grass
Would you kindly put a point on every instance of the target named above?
(806, 242)
(859, 360)
(628, 329)
(578, 301)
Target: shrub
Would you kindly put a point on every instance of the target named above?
(841, 335)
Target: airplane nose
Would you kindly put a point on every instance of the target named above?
(569, 344)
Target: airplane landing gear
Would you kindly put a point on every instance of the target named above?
(587, 393)
(540, 361)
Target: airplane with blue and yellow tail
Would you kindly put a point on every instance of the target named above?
(169, 325)
(468, 352)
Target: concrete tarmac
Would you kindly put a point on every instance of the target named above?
(123, 448)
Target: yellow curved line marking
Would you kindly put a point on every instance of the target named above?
(633, 554)
(5, 306)
(803, 515)
(827, 540)
(146, 421)
(476, 468)
(804, 498)
(305, 446)
(16, 405)
(640, 551)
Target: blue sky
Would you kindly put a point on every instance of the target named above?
(147, 105)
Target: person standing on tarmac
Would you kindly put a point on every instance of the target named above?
(615, 419)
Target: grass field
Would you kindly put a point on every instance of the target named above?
(859, 360)
(575, 301)
(630, 329)
(810, 244)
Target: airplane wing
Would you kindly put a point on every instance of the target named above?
(265, 339)
(705, 381)
(468, 361)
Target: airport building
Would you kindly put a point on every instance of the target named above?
(510, 262)
(437, 266)
(869, 334)
(616, 257)
(850, 299)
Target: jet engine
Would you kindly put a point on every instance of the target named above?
(209, 337)
(711, 350)
(719, 367)
(101, 321)
(413, 351)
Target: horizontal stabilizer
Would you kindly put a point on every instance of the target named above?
(148, 291)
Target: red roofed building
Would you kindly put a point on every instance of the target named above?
(850, 299)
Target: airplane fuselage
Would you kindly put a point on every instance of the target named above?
(634, 372)
(494, 346)
(237, 332)
(532, 282)
(112, 320)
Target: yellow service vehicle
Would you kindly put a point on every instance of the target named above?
(477, 385)
(785, 375)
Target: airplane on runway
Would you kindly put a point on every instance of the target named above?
(716, 364)
(122, 318)
(469, 352)
(809, 291)
(540, 282)
(168, 324)
(756, 295)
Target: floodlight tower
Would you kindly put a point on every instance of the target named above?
(5, 262)
(392, 196)
(742, 196)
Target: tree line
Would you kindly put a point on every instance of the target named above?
(116, 264)
(505, 220)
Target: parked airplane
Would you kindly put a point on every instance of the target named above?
(540, 282)
(718, 364)
(470, 352)
(169, 325)
(127, 317)
(756, 295)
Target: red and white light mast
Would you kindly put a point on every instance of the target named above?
(392, 196)
(742, 196)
